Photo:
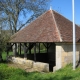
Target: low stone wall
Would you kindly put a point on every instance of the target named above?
(27, 63)
(39, 66)
(36, 66)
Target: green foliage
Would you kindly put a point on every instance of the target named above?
(42, 47)
(9, 73)
(4, 55)
(1, 45)
(3, 41)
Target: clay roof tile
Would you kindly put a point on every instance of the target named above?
(49, 27)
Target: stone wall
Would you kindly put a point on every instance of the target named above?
(29, 64)
(64, 54)
(67, 54)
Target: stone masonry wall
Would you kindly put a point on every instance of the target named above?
(64, 54)
(67, 53)
(29, 64)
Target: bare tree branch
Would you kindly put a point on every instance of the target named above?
(13, 10)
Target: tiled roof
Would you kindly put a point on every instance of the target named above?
(49, 27)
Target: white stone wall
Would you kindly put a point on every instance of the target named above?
(58, 57)
(64, 54)
(67, 53)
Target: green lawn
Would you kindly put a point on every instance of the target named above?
(4, 55)
(9, 73)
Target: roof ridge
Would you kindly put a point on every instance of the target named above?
(64, 17)
(56, 26)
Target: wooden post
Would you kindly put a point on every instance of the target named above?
(15, 49)
(35, 52)
(39, 47)
(20, 49)
(29, 49)
(47, 47)
(25, 53)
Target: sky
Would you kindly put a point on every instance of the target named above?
(64, 7)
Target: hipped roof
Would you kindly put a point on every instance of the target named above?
(49, 27)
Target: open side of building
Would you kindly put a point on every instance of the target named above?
(54, 32)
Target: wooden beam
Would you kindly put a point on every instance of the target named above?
(47, 45)
(29, 49)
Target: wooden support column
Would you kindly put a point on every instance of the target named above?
(17, 53)
(39, 47)
(25, 51)
(20, 49)
(15, 50)
(47, 47)
(29, 49)
(35, 52)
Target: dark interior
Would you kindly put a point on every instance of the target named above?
(47, 57)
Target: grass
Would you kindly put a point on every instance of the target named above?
(9, 73)
(4, 55)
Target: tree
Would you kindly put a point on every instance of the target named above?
(1, 47)
(14, 13)
(4, 36)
